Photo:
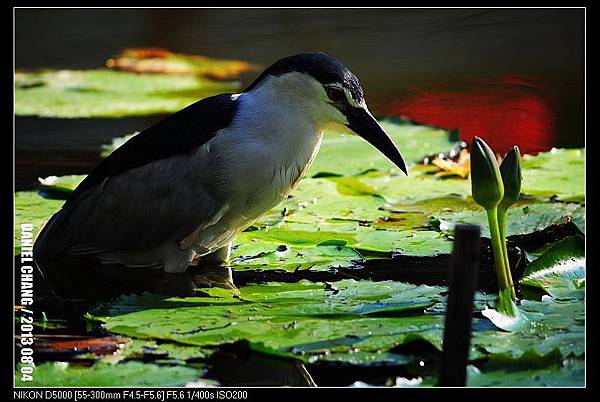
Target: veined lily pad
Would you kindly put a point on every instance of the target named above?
(258, 255)
(519, 219)
(356, 322)
(302, 318)
(551, 324)
(560, 270)
(106, 93)
(406, 242)
(559, 173)
(347, 154)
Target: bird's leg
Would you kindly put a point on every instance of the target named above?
(218, 257)
(210, 270)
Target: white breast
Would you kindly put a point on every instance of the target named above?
(255, 163)
(264, 152)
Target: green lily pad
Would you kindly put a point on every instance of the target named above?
(560, 270)
(30, 207)
(350, 322)
(302, 318)
(559, 173)
(551, 324)
(258, 255)
(106, 93)
(128, 374)
(406, 242)
(569, 373)
(520, 220)
(347, 155)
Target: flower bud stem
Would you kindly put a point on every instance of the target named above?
(502, 230)
(492, 214)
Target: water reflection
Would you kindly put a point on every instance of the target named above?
(75, 278)
(512, 76)
(504, 111)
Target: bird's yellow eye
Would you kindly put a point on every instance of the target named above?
(335, 94)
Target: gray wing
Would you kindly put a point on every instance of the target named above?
(137, 210)
(150, 189)
(146, 206)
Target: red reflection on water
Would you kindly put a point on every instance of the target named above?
(505, 112)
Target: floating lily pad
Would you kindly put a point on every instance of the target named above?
(418, 186)
(258, 255)
(106, 93)
(406, 242)
(302, 318)
(351, 322)
(346, 154)
(560, 270)
(569, 373)
(30, 207)
(520, 220)
(559, 173)
(552, 324)
(129, 374)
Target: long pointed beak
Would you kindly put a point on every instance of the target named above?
(362, 122)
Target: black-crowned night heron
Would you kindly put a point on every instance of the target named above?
(183, 189)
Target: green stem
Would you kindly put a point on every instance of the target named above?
(497, 248)
(502, 229)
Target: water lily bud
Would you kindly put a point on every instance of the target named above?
(486, 181)
(510, 169)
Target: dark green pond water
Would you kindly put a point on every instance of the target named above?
(512, 76)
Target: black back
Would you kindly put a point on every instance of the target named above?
(179, 133)
(322, 67)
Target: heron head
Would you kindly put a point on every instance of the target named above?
(328, 92)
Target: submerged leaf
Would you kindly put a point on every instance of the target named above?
(460, 168)
(163, 61)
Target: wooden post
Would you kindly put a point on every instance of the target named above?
(459, 311)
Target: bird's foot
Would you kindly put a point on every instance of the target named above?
(211, 275)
